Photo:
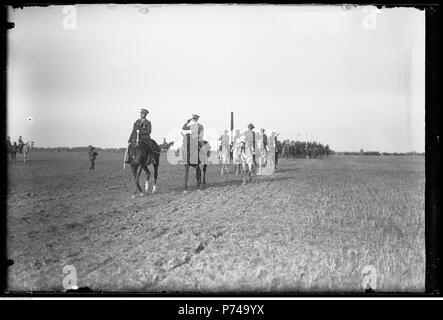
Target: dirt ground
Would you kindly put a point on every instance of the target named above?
(313, 225)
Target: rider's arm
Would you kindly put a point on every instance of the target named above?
(146, 128)
(186, 125)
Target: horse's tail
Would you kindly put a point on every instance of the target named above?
(156, 149)
(124, 159)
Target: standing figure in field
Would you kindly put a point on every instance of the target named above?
(9, 147)
(250, 139)
(248, 151)
(141, 152)
(92, 156)
(8, 143)
(14, 148)
(192, 144)
(261, 150)
(236, 154)
(275, 144)
(225, 155)
(247, 158)
(272, 150)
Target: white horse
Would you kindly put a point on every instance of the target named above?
(26, 148)
(260, 155)
(247, 158)
(236, 155)
(225, 159)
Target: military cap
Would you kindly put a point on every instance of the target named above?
(195, 116)
(251, 126)
(144, 110)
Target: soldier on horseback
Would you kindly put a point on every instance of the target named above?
(14, 151)
(250, 138)
(20, 144)
(143, 127)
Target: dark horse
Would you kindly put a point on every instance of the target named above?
(204, 151)
(140, 159)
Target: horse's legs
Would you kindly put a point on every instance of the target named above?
(155, 177)
(185, 187)
(139, 171)
(136, 171)
(134, 174)
(204, 173)
(148, 175)
(198, 175)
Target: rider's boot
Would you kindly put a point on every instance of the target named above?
(127, 156)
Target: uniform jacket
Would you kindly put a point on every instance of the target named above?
(197, 130)
(145, 129)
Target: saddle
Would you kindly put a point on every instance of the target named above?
(144, 148)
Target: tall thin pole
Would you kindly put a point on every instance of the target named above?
(232, 124)
(232, 133)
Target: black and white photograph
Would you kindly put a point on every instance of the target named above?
(215, 149)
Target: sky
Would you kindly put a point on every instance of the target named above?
(352, 78)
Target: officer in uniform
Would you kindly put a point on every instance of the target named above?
(250, 138)
(196, 137)
(265, 138)
(14, 151)
(20, 144)
(195, 127)
(144, 127)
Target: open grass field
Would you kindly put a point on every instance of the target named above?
(311, 226)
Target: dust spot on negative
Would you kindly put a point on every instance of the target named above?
(143, 10)
(29, 120)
